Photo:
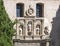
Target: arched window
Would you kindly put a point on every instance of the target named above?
(39, 10)
(20, 9)
(37, 29)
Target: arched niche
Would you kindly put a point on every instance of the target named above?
(29, 28)
(21, 29)
(37, 28)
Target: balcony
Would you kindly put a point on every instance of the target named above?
(35, 34)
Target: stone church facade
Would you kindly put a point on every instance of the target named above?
(34, 21)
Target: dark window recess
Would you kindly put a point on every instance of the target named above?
(43, 44)
(20, 10)
(39, 10)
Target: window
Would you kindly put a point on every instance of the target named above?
(39, 10)
(19, 8)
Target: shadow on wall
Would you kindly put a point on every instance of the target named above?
(55, 33)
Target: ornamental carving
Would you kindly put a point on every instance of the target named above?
(30, 11)
(46, 31)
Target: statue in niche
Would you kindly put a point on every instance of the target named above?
(38, 29)
(20, 29)
(29, 28)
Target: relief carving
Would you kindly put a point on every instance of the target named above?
(30, 11)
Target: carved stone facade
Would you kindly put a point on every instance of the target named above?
(29, 28)
(34, 21)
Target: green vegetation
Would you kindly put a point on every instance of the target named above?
(6, 27)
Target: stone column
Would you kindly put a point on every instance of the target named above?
(47, 43)
(17, 31)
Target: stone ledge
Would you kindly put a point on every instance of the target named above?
(32, 41)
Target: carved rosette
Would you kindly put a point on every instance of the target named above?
(30, 11)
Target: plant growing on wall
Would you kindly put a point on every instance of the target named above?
(6, 27)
